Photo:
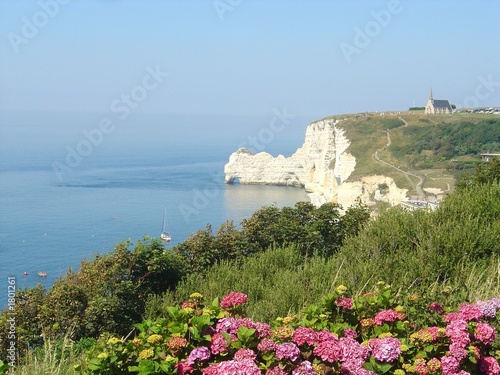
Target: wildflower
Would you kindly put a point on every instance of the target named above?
(146, 353)
(489, 366)
(399, 372)
(283, 333)
(233, 299)
(153, 339)
(114, 340)
(102, 355)
(137, 341)
(484, 333)
(288, 350)
(196, 295)
(345, 303)
(198, 354)
(177, 343)
(341, 289)
(304, 335)
(387, 349)
(288, 319)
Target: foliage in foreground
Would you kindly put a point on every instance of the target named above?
(370, 334)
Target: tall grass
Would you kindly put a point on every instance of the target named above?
(53, 359)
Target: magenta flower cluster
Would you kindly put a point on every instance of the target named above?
(233, 299)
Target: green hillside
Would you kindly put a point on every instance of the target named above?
(412, 147)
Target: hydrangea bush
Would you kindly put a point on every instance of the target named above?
(370, 334)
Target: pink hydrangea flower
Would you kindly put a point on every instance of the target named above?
(183, 368)
(243, 367)
(233, 299)
(245, 353)
(198, 354)
(449, 365)
(267, 345)
(344, 302)
(276, 370)
(484, 333)
(231, 326)
(303, 335)
(349, 332)
(219, 344)
(288, 350)
(458, 351)
(387, 349)
(304, 368)
(466, 312)
(326, 336)
(328, 350)
(387, 316)
(435, 307)
(489, 366)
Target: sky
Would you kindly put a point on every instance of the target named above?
(313, 58)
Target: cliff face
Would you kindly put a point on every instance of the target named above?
(322, 165)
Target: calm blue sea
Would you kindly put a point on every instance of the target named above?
(119, 187)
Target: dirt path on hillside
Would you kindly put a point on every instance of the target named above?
(417, 188)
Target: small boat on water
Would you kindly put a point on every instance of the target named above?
(42, 274)
(164, 234)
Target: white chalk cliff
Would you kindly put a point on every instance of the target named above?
(322, 165)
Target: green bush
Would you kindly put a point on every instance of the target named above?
(380, 331)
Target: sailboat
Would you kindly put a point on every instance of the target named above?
(164, 235)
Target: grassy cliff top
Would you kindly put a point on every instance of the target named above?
(414, 148)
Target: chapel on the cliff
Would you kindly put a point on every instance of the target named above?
(435, 106)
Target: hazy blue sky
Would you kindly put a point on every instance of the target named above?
(246, 57)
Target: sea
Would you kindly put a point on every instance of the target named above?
(76, 184)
